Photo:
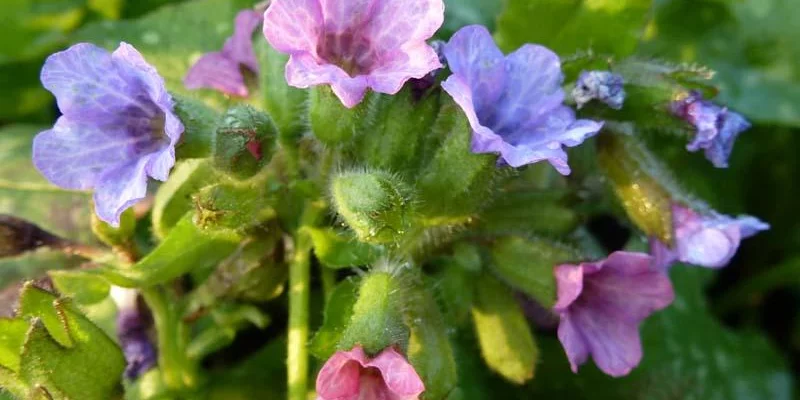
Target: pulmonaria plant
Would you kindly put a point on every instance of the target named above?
(708, 240)
(514, 103)
(419, 243)
(222, 70)
(354, 45)
(717, 127)
(601, 305)
(117, 129)
(353, 375)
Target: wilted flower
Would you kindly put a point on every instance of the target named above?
(717, 127)
(603, 86)
(132, 324)
(352, 375)
(356, 44)
(707, 240)
(601, 305)
(221, 70)
(117, 127)
(513, 103)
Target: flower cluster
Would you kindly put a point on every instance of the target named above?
(119, 128)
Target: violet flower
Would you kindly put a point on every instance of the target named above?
(352, 375)
(356, 44)
(603, 86)
(709, 240)
(717, 127)
(117, 127)
(514, 102)
(221, 70)
(132, 325)
(601, 305)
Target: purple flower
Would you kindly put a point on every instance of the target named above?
(513, 103)
(601, 305)
(603, 86)
(706, 240)
(132, 325)
(355, 44)
(221, 70)
(717, 127)
(117, 127)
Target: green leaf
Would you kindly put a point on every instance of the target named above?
(527, 265)
(186, 248)
(340, 250)
(24, 98)
(376, 322)
(286, 105)
(749, 43)
(172, 38)
(12, 336)
(338, 311)
(688, 354)
(529, 211)
(429, 348)
(83, 287)
(31, 28)
(174, 198)
(506, 340)
(88, 367)
(566, 26)
(24, 193)
(455, 291)
(459, 13)
(34, 265)
(455, 182)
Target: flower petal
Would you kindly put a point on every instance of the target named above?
(339, 377)
(400, 377)
(473, 56)
(303, 71)
(90, 85)
(614, 345)
(573, 342)
(239, 47)
(401, 24)
(569, 280)
(119, 188)
(344, 16)
(216, 71)
(74, 155)
(398, 67)
(294, 26)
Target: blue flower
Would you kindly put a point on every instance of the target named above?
(514, 103)
(717, 127)
(603, 86)
(118, 126)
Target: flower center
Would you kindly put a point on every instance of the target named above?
(349, 51)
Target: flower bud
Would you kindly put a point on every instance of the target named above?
(376, 205)
(244, 141)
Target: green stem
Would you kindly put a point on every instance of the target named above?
(328, 278)
(299, 282)
(177, 370)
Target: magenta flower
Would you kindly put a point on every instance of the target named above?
(352, 375)
(221, 70)
(601, 305)
(717, 127)
(709, 240)
(514, 102)
(117, 127)
(356, 44)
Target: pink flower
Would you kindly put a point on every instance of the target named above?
(355, 44)
(221, 70)
(352, 375)
(601, 305)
